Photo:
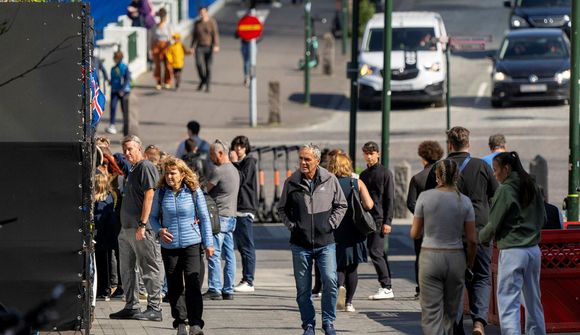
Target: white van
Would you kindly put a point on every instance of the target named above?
(418, 67)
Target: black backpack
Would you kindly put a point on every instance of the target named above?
(197, 162)
(212, 209)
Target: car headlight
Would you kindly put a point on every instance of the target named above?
(367, 70)
(562, 76)
(435, 67)
(518, 22)
(499, 76)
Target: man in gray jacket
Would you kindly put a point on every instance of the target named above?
(312, 206)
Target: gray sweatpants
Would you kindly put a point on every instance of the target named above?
(144, 255)
(441, 279)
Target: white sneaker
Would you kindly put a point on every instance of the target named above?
(111, 129)
(341, 299)
(349, 308)
(316, 295)
(244, 287)
(383, 293)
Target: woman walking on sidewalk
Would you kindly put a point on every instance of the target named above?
(350, 243)
(160, 42)
(517, 215)
(443, 215)
(180, 218)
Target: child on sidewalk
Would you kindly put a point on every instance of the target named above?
(120, 89)
(176, 57)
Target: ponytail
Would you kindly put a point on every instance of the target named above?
(447, 170)
(527, 190)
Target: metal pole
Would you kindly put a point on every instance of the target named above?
(353, 82)
(387, 43)
(448, 83)
(253, 85)
(307, 42)
(572, 199)
(344, 24)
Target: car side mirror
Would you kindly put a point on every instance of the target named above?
(507, 4)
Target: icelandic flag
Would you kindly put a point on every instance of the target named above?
(97, 99)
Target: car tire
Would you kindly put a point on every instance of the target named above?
(364, 104)
(496, 103)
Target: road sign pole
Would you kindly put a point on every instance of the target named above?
(353, 82)
(344, 25)
(307, 41)
(448, 83)
(386, 115)
(574, 137)
(253, 84)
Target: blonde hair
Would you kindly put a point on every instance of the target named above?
(340, 165)
(189, 177)
(102, 187)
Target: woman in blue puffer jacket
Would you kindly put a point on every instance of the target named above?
(180, 218)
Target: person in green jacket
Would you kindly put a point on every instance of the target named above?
(515, 221)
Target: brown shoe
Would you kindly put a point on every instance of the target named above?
(478, 328)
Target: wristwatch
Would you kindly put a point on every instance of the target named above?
(142, 224)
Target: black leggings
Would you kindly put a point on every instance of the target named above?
(348, 277)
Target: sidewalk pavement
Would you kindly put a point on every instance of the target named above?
(272, 308)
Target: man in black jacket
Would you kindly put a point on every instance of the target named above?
(247, 204)
(379, 181)
(312, 206)
(476, 180)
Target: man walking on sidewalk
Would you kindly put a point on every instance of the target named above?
(138, 246)
(312, 206)
(379, 181)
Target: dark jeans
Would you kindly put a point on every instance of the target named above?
(479, 289)
(244, 240)
(378, 252)
(115, 97)
(184, 265)
(203, 59)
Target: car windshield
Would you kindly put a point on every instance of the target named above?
(403, 39)
(533, 48)
(545, 3)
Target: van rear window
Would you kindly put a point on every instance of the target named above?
(403, 39)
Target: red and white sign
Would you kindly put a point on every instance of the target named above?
(249, 28)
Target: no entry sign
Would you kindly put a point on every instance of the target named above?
(249, 28)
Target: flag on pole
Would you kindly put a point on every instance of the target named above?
(97, 100)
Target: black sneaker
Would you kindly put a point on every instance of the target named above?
(126, 314)
(228, 296)
(212, 295)
(151, 315)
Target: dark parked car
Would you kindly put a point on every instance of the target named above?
(531, 65)
(540, 14)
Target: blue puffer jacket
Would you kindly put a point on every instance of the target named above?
(176, 212)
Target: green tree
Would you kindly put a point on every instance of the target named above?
(366, 12)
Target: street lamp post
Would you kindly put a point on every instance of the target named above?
(353, 72)
(344, 25)
(574, 137)
(307, 42)
(386, 112)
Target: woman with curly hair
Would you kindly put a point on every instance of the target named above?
(443, 216)
(429, 152)
(180, 218)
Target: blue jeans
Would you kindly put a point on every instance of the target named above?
(326, 260)
(519, 274)
(244, 238)
(223, 248)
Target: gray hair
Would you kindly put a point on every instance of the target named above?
(312, 147)
(219, 145)
(132, 138)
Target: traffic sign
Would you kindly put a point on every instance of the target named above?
(249, 28)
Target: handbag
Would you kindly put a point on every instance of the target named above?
(363, 220)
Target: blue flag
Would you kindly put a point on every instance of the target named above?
(97, 100)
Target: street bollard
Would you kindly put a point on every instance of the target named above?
(402, 179)
(328, 55)
(275, 107)
(539, 171)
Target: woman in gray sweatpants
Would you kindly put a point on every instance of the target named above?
(443, 215)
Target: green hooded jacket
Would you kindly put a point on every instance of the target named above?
(511, 225)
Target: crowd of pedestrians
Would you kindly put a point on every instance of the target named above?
(153, 227)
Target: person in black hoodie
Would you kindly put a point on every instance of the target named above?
(476, 180)
(247, 204)
(381, 187)
(312, 206)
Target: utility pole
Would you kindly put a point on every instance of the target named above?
(448, 81)
(307, 43)
(353, 72)
(253, 82)
(386, 115)
(574, 137)
(344, 24)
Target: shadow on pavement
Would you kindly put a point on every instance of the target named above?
(404, 322)
(320, 100)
